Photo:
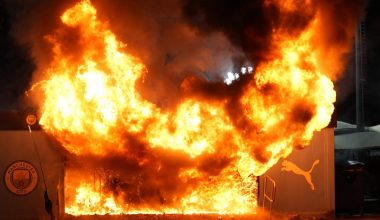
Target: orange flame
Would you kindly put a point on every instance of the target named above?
(91, 102)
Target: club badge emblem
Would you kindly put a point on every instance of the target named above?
(21, 178)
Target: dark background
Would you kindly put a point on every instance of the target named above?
(16, 65)
(346, 103)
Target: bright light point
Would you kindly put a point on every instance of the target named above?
(250, 69)
(228, 81)
(243, 70)
(230, 76)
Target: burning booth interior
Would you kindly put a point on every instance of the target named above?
(184, 118)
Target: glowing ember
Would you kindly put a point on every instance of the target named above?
(227, 193)
(91, 105)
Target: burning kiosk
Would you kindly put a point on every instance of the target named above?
(294, 193)
(199, 157)
(126, 154)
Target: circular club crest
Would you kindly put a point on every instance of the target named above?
(21, 178)
(31, 119)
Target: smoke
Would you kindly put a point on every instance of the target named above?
(249, 25)
(16, 65)
(252, 26)
(170, 49)
(201, 38)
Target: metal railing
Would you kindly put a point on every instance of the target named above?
(269, 193)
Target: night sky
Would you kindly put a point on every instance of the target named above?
(17, 66)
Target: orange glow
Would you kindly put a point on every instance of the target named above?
(224, 194)
(91, 105)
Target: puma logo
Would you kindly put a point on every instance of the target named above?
(289, 166)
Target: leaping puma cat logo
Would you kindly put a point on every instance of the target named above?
(289, 166)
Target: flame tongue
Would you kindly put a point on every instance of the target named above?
(92, 106)
(90, 96)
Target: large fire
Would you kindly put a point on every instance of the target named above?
(194, 158)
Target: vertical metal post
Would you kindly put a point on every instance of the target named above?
(360, 69)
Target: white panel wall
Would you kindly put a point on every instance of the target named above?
(294, 194)
(18, 145)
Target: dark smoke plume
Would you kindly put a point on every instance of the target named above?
(16, 65)
(191, 37)
(249, 25)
